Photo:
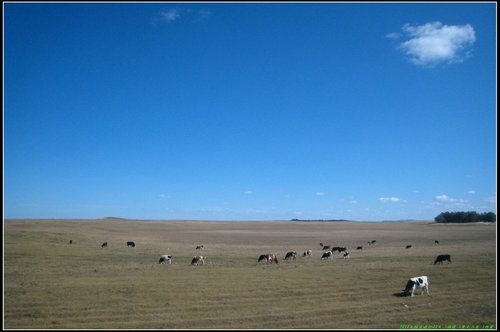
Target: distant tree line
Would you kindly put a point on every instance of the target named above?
(464, 217)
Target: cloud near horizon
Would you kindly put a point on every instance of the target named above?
(434, 42)
(389, 199)
(446, 198)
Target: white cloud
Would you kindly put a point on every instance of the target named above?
(472, 192)
(393, 35)
(248, 192)
(432, 43)
(389, 199)
(447, 199)
(320, 194)
(187, 15)
(170, 15)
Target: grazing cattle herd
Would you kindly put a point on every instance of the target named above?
(413, 284)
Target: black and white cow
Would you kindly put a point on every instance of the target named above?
(198, 260)
(167, 259)
(291, 255)
(327, 255)
(408, 246)
(263, 257)
(359, 248)
(308, 253)
(200, 247)
(339, 249)
(436, 242)
(130, 244)
(420, 283)
(346, 254)
(442, 258)
(104, 244)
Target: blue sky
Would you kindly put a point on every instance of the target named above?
(249, 111)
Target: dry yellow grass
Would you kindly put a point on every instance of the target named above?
(51, 284)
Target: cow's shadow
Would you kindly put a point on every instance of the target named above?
(400, 294)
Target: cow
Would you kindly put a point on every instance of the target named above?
(269, 258)
(408, 246)
(104, 244)
(130, 244)
(308, 252)
(165, 259)
(263, 257)
(339, 249)
(346, 254)
(436, 242)
(421, 283)
(198, 260)
(273, 258)
(327, 247)
(291, 255)
(442, 258)
(70, 242)
(199, 247)
(327, 254)
(372, 241)
(359, 248)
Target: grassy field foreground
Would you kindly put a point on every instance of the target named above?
(49, 283)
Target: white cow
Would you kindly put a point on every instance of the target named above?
(165, 259)
(420, 283)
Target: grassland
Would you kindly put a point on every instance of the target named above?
(49, 283)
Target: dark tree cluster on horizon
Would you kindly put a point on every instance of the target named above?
(465, 217)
